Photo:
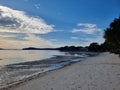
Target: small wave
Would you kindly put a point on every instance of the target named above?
(13, 73)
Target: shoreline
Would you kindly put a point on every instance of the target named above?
(34, 76)
(73, 59)
(54, 79)
(56, 62)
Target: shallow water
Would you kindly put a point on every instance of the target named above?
(16, 65)
(17, 56)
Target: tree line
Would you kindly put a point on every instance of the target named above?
(111, 43)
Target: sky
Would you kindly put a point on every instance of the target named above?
(54, 23)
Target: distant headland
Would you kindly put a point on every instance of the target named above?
(34, 48)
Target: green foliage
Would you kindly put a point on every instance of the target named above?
(112, 35)
(72, 48)
(95, 47)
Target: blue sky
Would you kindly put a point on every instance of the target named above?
(64, 22)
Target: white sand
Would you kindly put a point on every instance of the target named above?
(95, 73)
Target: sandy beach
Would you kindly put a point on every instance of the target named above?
(95, 73)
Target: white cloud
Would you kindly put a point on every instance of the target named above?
(80, 39)
(37, 41)
(87, 28)
(6, 36)
(86, 31)
(19, 22)
(37, 6)
(58, 31)
(87, 25)
(74, 38)
(17, 29)
(30, 40)
(54, 40)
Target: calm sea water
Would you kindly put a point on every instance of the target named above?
(17, 56)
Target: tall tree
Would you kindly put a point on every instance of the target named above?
(112, 35)
(95, 47)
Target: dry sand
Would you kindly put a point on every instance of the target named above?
(95, 73)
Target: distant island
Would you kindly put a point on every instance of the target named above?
(2, 49)
(34, 48)
(65, 48)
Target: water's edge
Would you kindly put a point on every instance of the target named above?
(62, 64)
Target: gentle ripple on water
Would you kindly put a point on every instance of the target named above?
(17, 70)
